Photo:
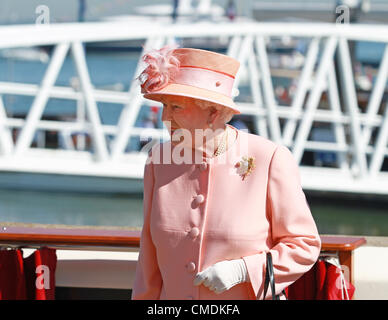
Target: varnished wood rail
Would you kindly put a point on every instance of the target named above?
(31, 236)
(89, 237)
(345, 247)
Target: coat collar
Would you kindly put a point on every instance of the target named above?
(163, 153)
(231, 153)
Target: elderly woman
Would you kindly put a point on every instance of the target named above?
(216, 199)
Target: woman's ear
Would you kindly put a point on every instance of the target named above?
(213, 114)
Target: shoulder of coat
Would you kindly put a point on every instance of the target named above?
(261, 144)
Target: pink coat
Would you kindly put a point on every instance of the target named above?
(196, 215)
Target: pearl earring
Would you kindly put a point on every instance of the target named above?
(210, 125)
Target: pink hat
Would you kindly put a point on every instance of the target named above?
(188, 72)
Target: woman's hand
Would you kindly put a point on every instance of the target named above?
(223, 275)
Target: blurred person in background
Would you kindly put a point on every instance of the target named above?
(231, 10)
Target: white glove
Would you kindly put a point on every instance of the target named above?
(223, 275)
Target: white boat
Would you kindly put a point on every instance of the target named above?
(28, 54)
(188, 12)
(188, 8)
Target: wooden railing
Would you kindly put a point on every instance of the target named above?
(73, 238)
(32, 237)
(345, 247)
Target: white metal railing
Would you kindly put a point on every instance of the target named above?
(360, 155)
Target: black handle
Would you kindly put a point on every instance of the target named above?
(270, 278)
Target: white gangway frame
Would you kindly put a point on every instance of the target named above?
(360, 156)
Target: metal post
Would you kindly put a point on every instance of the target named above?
(131, 109)
(314, 98)
(269, 96)
(380, 147)
(256, 93)
(335, 104)
(351, 104)
(6, 142)
(40, 101)
(376, 96)
(304, 83)
(91, 106)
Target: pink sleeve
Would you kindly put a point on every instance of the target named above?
(148, 280)
(294, 234)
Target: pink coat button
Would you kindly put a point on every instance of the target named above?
(191, 266)
(194, 232)
(200, 198)
(203, 166)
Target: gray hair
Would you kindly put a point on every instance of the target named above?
(226, 114)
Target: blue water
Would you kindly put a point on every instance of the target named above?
(26, 206)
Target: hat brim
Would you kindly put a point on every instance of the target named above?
(193, 92)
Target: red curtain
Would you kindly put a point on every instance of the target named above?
(40, 269)
(30, 278)
(12, 281)
(322, 282)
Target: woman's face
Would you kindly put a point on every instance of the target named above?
(182, 113)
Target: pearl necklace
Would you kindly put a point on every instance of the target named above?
(222, 145)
